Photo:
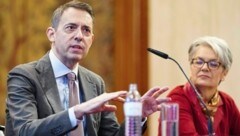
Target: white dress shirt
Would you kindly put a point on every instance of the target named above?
(60, 71)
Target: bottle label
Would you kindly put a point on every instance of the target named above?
(133, 109)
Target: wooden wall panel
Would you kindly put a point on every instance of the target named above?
(131, 41)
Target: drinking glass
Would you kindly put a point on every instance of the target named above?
(169, 119)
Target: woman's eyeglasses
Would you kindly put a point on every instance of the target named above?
(212, 64)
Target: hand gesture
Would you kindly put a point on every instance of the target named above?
(151, 102)
(99, 103)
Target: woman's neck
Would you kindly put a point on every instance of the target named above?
(207, 93)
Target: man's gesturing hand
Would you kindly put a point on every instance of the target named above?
(99, 103)
(151, 102)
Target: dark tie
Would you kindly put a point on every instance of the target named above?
(74, 100)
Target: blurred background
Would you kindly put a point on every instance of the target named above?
(123, 30)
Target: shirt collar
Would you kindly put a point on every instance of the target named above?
(59, 69)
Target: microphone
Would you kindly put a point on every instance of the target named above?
(159, 53)
(209, 122)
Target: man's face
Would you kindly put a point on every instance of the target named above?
(73, 37)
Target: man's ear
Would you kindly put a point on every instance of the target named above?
(92, 37)
(50, 34)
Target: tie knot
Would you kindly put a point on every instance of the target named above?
(71, 76)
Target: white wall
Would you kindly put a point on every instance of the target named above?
(173, 25)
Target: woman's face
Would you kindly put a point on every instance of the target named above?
(207, 75)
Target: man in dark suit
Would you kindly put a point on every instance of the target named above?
(38, 96)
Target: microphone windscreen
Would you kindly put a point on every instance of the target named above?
(159, 53)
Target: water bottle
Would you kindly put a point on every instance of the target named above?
(133, 112)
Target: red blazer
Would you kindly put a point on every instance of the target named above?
(192, 121)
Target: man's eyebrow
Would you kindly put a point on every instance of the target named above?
(72, 24)
(87, 26)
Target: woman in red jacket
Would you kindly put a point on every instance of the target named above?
(210, 60)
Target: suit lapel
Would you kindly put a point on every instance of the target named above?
(89, 90)
(48, 82)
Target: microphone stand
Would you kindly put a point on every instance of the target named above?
(209, 122)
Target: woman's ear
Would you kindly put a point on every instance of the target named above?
(50, 34)
(225, 72)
